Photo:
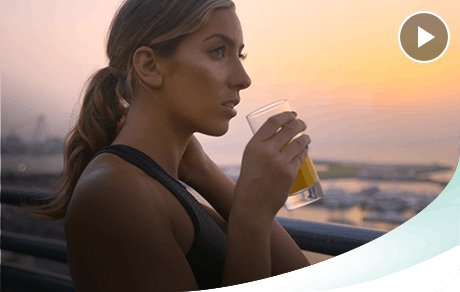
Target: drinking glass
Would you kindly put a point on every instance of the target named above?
(307, 187)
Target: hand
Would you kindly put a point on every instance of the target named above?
(194, 162)
(268, 171)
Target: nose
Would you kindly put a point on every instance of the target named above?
(240, 79)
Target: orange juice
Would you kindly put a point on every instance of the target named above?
(306, 176)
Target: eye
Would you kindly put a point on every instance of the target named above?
(219, 51)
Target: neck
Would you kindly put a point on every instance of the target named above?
(156, 136)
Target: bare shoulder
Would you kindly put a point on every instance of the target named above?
(121, 229)
(106, 179)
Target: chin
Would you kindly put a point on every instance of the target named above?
(217, 130)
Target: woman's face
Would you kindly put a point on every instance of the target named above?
(204, 74)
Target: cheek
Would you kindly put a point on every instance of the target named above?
(207, 76)
(198, 86)
(204, 89)
(204, 73)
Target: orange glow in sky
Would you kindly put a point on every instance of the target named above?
(338, 63)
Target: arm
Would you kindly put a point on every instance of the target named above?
(285, 255)
(248, 247)
(123, 234)
(120, 227)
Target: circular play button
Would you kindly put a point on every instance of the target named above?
(424, 37)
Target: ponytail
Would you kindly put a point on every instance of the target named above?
(105, 101)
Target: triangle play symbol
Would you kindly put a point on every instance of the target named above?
(423, 36)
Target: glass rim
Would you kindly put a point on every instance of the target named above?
(265, 108)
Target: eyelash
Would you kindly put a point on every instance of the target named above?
(224, 48)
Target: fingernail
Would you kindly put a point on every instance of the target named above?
(294, 113)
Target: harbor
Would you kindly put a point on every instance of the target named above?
(366, 195)
(380, 196)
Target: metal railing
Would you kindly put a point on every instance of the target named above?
(324, 238)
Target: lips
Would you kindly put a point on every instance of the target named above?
(228, 104)
(231, 103)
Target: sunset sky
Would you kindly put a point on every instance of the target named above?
(337, 62)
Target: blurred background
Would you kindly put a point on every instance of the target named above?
(384, 129)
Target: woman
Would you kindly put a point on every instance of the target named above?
(175, 69)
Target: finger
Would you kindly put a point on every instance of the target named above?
(271, 126)
(299, 159)
(309, 140)
(288, 132)
(296, 147)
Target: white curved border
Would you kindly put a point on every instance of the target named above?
(448, 36)
(426, 245)
(441, 273)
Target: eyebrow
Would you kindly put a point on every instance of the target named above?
(224, 37)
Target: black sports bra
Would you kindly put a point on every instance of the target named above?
(207, 254)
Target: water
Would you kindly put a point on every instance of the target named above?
(354, 185)
(315, 212)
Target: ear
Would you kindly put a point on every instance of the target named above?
(145, 62)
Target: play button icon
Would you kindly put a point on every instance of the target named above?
(424, 37)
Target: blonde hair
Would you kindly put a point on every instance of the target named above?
(159, 24)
